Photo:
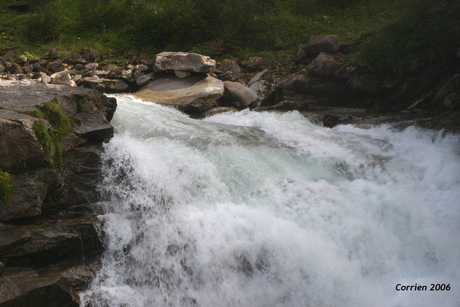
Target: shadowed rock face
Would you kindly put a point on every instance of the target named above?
(48, 228)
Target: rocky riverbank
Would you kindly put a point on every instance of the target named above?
(319, 79)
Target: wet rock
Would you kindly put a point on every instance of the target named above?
(219, 110)
(449, 95)
(241, 96)
(328, 43)
(105, 85)
(325, 64)
(182, 61)
(331, 121)
(144, 79)
(263, 88)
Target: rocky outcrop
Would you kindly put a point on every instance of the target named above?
(50, 137)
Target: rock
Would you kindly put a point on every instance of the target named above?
(331, 121)
(105, 85)
(369, 84)
(192, 94)
(257, 77)
(52, 54)
(15, 69)
(2, 68)
(230, 65)
(89, 55)
(219, 110)
(62, 78)
(325, 64)
(449, 95)
(10, 54)
(262, 88)
(55, 66)
(21, 60)
(323, 87)
(49, 240)
(244, 96)
(288, 105)
(258, 64)
(92, 66)
(144, 79)
(350, 69)
(182, 74)
(19, 144)
(27, 68)
(182, 61)
(328, 43)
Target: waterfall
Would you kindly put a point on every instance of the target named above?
(268, 209)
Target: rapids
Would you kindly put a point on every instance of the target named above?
(268, 209)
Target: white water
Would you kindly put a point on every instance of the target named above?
(265, 209)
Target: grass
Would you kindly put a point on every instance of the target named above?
(387, 33)
(6, 187)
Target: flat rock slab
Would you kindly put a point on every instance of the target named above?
(180, 92)
(25, 96)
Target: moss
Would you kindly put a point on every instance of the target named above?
(6, 187)
(58, 155)
(52, 112)
(41, 131)
(80, 104)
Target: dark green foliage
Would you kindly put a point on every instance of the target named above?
(6, 187)
(429, 29)
(43, 24)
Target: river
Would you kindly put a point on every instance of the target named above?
(268, 209)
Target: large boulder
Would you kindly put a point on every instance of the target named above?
(182, 61)
(194, 94)
(325, 64)
(328, 43)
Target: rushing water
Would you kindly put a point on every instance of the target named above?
(267, 209)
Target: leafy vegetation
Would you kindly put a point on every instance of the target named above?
(388, 33)
(6, 187)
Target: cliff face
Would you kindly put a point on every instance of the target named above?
(50, 140)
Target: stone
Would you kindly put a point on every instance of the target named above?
(328, 43)
(21, 60)
(62, 78)
(449, 95)
(257, 77)
(219, 110)
(19, 144)
(182, 61)
(15, 69)
(238, 92)
(263, 88)
(350, 69)
(368, 84)
(331, 121)
(194, 93)
(182, 74)
(105, 85)
(144, 79)
(259, 64)
(55, 66)
(325, 64)
(230, 65)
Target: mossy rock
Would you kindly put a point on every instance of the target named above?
(6, 187)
